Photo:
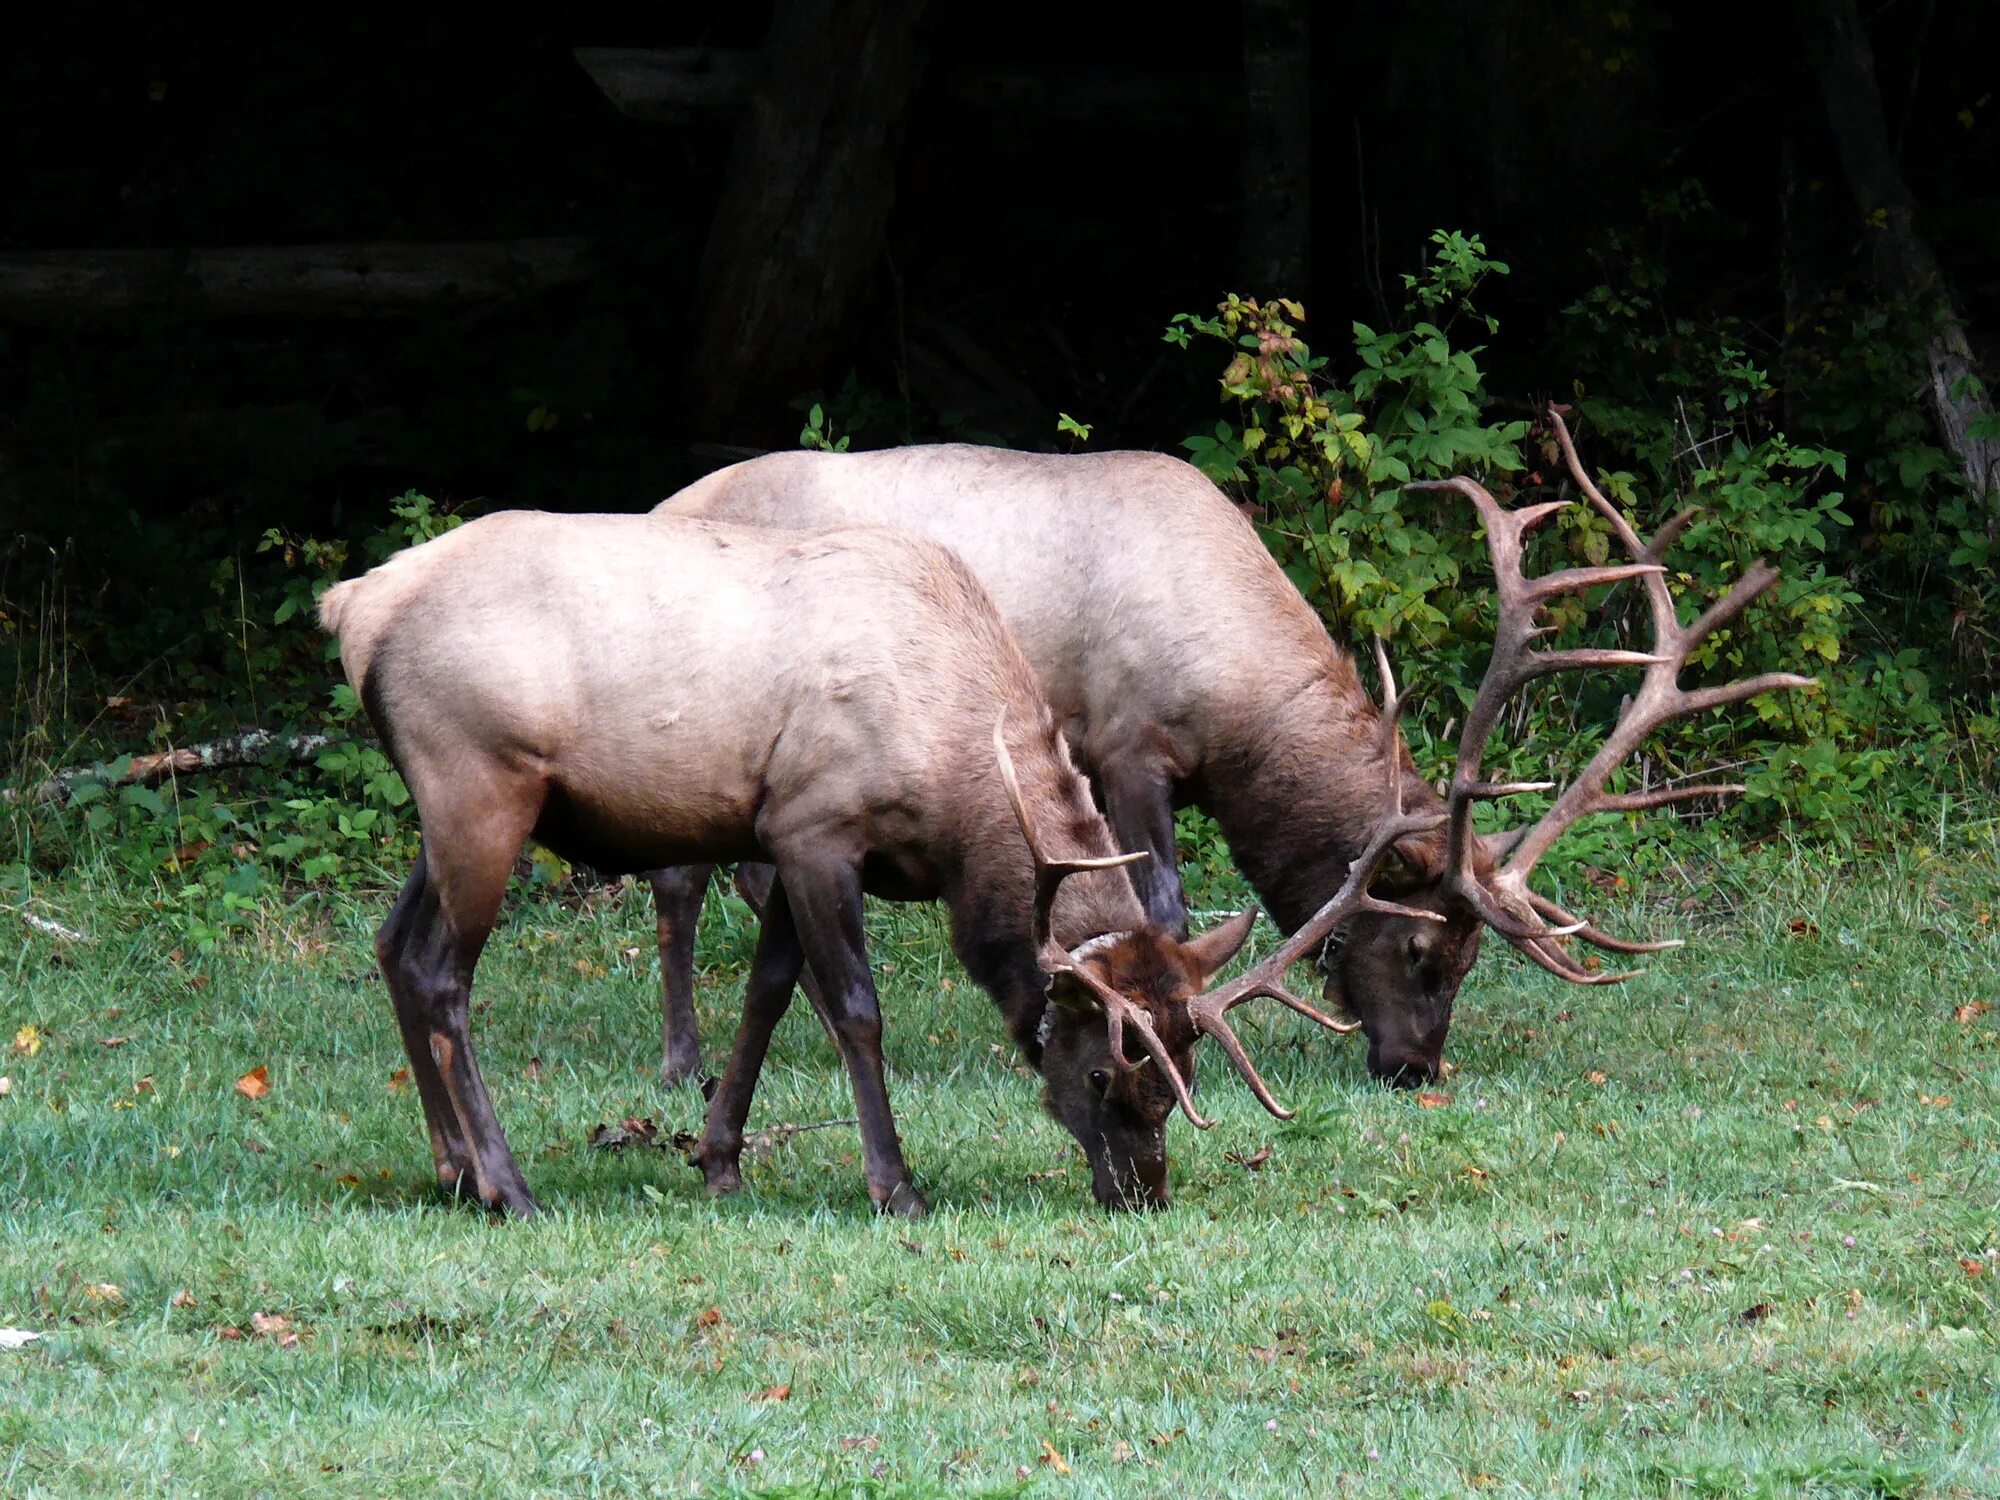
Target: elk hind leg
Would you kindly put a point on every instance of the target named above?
(471, 835)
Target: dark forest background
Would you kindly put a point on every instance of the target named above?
(261, 274)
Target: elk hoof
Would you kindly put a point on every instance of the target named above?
(674, 1075)
(904, 1202)
(721, 1171)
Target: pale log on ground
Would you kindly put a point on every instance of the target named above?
(248, 747)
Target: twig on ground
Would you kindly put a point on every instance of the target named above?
(47, 927)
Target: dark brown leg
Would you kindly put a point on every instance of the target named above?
(825, 899)
(677, 895)
(474, 825)
(753, 884)
(1139, 805)
(773, 972)
(416, 907)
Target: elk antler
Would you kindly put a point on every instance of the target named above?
(1267, 978)
(1504, 901)
(1050, 873)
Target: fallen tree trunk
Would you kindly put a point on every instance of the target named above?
(674, 85)
(338, 280)
(248, 747)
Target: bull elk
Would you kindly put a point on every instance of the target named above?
(640, 691)
(1184, 667)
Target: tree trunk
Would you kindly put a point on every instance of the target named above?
(1275, 239)
(799, 230)
(356, 280)
(1905, 268)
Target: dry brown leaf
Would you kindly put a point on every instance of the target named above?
(628, 1132)
(28, 1040)
(1971, 1011)
(183, 1298)
(1756, 1312)
(113, 1041)
(104, 1291)
(256, 1083)
(277, 1328)
(1433, 1101)
(348, 1180)
(144, 1085)
(400, 1079)
(1254, 1162)
(1972, 1267)
(774, 1393)
(1053, 1459)
(225, 1331)
(1123, 1452)
(708, 1317)
(866, 1444)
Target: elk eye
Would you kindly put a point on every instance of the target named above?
(1099, 1079)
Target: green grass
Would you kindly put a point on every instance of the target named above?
(1705, 1235)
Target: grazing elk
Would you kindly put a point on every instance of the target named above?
(1184, 667)
(641, 691)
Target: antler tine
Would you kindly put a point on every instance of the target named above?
(1392, 713)
(1595, 935)
(1660, 696)
(1514, 663)
(1049, 873)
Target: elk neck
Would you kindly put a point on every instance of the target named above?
(1302, 788)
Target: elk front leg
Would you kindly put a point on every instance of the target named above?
(773, 972)
(677, 895)
(825, 902)
(1139, 805)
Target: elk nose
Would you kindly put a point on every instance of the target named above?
(1404, 1072)
(1143, 1187)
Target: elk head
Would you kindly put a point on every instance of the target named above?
(1373, 968)
(1127, 1008)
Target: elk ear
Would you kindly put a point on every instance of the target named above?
(1071, 993)
(1219, 944)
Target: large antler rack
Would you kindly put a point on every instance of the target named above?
(1266, 979)
(1504, 900)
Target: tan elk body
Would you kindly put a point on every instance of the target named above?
(640, 691)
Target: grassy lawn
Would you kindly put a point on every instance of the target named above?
(1730, 1230)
